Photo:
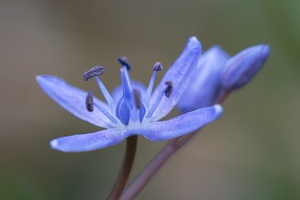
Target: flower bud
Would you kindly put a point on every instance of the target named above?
(205, 87)
(241, 68)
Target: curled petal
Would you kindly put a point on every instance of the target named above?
(182, 124)
(179, 74)
(205, 85)
(242, 67)
(73, 100)
(88, 141)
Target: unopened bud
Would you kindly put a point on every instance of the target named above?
(242, 67)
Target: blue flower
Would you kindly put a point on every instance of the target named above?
(132, 109)
(217, 74)
(205, 86)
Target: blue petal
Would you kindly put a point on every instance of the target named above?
(73, 100)
(241, 68)
(205, 85)
(179, 74)
(88, 141)
(182, 124)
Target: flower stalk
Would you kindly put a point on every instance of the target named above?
(131, 143)
(163, 156)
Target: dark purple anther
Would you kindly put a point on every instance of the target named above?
(89, 103)
(124, 61)
(137, 98)
(169, 88)
(157, 66)
(94, 71)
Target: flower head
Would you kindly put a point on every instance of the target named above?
(217, 74)
(132, 109)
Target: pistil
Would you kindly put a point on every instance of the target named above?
(125, 104)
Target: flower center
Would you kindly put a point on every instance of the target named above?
(133, 106)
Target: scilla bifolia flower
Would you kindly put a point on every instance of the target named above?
(133, 109)
(217, 74)
(205, 86)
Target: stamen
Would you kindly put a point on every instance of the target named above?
(110, 101)
(166, 92)
(107, 114)
(94, 71)
(124, 61)
(155, 104)
(137, 98)
(89, 101)
(90, 107)
(169, 88)
(139, 105)
(156, 68)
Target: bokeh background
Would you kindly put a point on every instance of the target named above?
(252, 152)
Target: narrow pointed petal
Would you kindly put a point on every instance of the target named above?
(182, 124)
(179, 74)
(242, 67)
(73, 100)
(205, 85)
(88, 141)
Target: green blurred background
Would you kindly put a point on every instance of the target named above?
(252, 152)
